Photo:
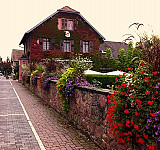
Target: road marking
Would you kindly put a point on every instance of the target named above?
(30, 123)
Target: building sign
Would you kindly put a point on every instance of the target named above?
(67, 34)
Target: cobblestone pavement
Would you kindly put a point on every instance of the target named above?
(15, 131)
(54, 132)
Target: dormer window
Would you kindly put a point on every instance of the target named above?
(66, 24)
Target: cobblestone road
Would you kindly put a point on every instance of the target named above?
(54, 132)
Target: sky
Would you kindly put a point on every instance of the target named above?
(111, 18)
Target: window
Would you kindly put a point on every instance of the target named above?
(70, 24)
(45, 43)
(67, 45)
(67, 24)
(86, 46)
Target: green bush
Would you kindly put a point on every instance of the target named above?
(104, 79)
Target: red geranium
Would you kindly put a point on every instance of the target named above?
(148, 93)
(136, 127)
(155, 73)
(151, 147)
(136, 113)
(150, 102)
(126, 111)
(141, 141)
(153, 114)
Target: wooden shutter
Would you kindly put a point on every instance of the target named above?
(81, 46)
(75, 24)
(72, 45)
(61, 45)
(40, 43)
(65, 23)
(91, 46)
(52, 44)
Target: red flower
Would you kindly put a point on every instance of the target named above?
(151, 147)
(136, 127)
(155, 73)
(148, 93)
(132, 96)
(126, 111)
(125, 105)
(127, 125)
(128, 139)
(150, 102)
(142, 64)
(152, 114)
(120, 125)
(142, 71)
(137, 135)
(129, 133)
(145, 136)
(60, 88)
(136, 113)
(123, 84)
(141, 141)
(156, 92)
(116, 79)
(146, 79)
(120, 100)
(129, 68)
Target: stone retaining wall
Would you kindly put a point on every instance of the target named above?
(87, 111)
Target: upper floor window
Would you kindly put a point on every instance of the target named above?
(67, 24)
(86, 46)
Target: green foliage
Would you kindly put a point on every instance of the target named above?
(104, 79)
(80, 64)
(63, 92)
(108, 53)
(40, 68)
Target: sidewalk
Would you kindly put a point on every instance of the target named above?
(54, 132)
(15, 131)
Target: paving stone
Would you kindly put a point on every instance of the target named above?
(13, 123)
(52, 129)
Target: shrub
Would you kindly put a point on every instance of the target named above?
(104, 79)
(134, 114)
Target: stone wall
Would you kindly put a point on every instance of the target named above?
(88, 109)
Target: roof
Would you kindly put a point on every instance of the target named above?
(65, 9)
(16, 54)
(114, 46)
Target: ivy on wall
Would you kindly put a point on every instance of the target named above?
(49, 29)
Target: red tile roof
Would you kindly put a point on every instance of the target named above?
(67, 8)
(16, 54)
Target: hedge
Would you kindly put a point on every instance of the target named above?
(104, 79)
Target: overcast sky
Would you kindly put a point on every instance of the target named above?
(110, 17)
